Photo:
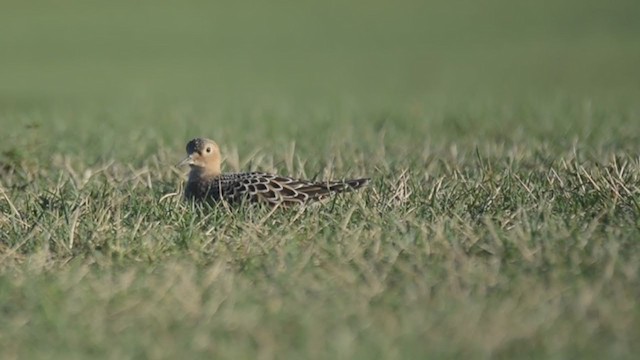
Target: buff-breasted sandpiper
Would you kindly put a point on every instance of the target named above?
(207, 183)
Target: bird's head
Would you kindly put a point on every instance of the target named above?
(203, 155)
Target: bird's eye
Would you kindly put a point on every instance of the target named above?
(208, 150)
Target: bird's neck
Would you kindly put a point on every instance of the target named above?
(198, 173)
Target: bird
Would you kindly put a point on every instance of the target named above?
(206, 183)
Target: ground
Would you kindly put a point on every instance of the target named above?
(502, 220)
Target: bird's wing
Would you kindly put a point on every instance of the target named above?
(275, 189)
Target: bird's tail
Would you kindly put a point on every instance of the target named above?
(319, 190)
(348, 185)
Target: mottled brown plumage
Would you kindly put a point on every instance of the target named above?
(207, 183)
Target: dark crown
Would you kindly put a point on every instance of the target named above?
(195, 145)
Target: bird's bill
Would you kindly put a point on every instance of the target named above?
(186, 161)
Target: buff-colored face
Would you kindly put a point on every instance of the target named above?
(203, 154)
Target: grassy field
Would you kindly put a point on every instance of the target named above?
(502, 221)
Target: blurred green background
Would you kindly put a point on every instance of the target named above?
(369, 52)
(155, 73)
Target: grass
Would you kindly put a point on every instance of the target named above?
(502, 220)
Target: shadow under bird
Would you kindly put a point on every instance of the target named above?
(207, 183)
